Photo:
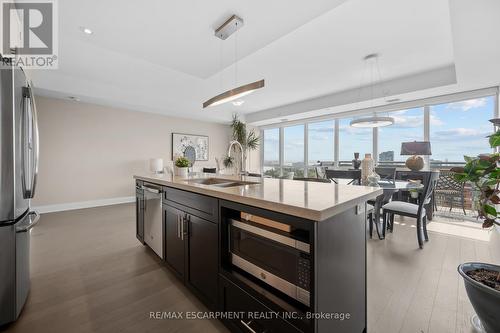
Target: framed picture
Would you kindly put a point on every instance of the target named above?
(200, 143)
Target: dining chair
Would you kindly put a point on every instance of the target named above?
(408, 209)
(370, 217)
(448, 189)
(353, 175)
(317, 180)
(209, 170)
(386, 173)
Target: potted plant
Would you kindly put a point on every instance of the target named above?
(249, 141)
(482, 281)
(181, 166)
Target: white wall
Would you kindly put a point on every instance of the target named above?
(89, 153)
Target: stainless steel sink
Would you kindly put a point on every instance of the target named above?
(235, 183)
(220, 182)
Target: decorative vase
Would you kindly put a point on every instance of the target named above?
(181, 172)
(415, 163)
(356, 162)
(367, 168)
(485, 300)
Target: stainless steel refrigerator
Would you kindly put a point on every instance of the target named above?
(18, 175)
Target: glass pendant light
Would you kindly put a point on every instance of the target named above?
(372, 121)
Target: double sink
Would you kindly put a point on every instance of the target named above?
(220, 182)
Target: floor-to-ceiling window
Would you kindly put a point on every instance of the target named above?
(293, 151)
(271, 158)
(455, 127)
(353, 140)
(408, 126)
(320, 144)
(460, 128)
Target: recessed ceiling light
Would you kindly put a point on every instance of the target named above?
(86, 30)
(238, 103)
(74, 98)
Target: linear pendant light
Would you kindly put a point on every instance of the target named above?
(233, 94)
(223, 32)
(373, 121)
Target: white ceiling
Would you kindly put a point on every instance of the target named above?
(162, 56)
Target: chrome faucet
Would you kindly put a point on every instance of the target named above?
(231, 144)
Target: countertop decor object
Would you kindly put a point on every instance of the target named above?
(229, 27)
(367, 168)
(415, 148)
(181, 141)
(156, 165)
(181, 166)
(356, 162)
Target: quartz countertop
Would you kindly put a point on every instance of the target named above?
(310, 200)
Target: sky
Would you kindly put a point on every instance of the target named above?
(456, 129)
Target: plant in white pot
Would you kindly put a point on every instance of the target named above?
(181, 166)
(482, 281)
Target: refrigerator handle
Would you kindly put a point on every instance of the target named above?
(24, 142)
(36, 142)
(29, 97)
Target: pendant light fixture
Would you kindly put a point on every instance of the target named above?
(223, 32)
(372, 121)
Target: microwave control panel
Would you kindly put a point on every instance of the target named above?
(304, 270)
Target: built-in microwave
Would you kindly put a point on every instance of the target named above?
(274, 258)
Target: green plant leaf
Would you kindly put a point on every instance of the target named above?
(253, 141)
(468, 158)
(490, 210)
(182, 162)
(228, 161)
(494, 139)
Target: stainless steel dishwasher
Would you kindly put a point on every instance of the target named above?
(153, 221)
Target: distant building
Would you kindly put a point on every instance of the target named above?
(386, 156)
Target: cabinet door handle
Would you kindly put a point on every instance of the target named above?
(178, 227)
(185, 229)
(182, 227)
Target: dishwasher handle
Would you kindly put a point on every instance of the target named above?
(152, 189)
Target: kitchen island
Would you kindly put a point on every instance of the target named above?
(270, 255)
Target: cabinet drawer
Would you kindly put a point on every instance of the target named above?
(256, 317)
(196, 204)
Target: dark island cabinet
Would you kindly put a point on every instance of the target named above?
(174, 238)
(191, 241)
(202, 244)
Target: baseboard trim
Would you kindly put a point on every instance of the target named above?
(82, 204)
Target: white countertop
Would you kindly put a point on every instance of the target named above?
(309, 200)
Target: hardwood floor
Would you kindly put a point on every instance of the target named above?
(90, 274)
